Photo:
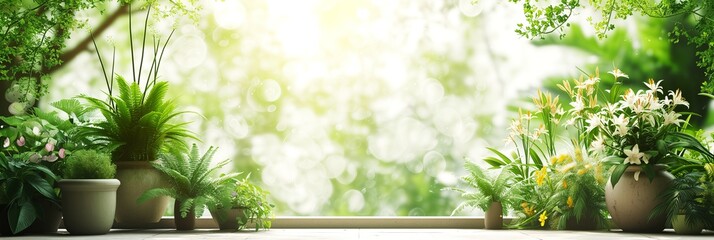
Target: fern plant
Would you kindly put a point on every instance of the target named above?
(189, 176)
(137, 121)
(489, 189)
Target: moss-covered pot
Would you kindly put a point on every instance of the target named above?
(136, 177)
(88, 205)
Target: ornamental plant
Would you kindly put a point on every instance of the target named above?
(46, 137)
(579, 192)
(489, 189)
(89, 164)
(189, 176)
(636, 128)
(25, 187)
(138, 120)
(252, 199)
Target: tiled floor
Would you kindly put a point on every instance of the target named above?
(410, 234)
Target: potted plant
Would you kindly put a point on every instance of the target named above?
(190, 183)
(578, 192)
(239, 204)
(88, 192)
(492, 195)
(137, 124)
(43, 136)
(636, 133)
(688, 203)
(29, 202)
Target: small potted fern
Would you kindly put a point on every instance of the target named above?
(190, 183)
(138, 123)
(491, 196)
(88, 192)
(240, 204)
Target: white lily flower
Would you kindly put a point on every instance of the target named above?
(672, 117)
(634, 155)
(598, 145)
(593, 122)
(677, 98)
(617, 73)
(578, 105)
(654, 86)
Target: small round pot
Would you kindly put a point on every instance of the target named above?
(89, 205)
(679, 223)
(494, 216)
(227, 218)
(631, 201)
(184, 223)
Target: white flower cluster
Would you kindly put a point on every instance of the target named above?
(631, 126)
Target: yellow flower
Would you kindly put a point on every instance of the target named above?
(570, 202)
(553, 160)
(529, 211)
(582, 171)
(565, 184)
(542, 218)
(541, 175)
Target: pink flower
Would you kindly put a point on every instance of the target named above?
(20, 141)
(61, 153)
(49, 147)
(6, 143)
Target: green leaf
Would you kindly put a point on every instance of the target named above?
(154, 193)
(617, 173)
(500, 155)
(21, 216)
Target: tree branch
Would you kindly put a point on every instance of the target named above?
(71, 54)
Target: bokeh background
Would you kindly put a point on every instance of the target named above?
(369, 107)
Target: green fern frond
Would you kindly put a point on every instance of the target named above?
(156, 192)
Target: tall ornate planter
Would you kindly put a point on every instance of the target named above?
(630, 202)
(136, 178)
(88, 205)
(494, 216)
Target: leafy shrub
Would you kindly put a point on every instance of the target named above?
(89, 164)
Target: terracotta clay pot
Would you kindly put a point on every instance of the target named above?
(631, 201)
(136, 178)
(494, 216)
